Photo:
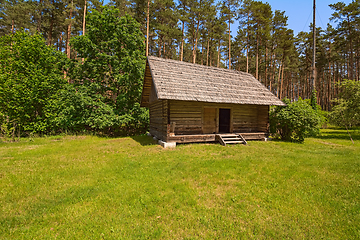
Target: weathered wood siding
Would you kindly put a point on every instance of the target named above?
(158, 111)
(245, 118)
(196, 117)
(209, 120)
(147, 85)
(263, 118)
(187, 117)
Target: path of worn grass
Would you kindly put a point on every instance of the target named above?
(128, 188)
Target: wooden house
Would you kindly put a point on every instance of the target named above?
(196, 103)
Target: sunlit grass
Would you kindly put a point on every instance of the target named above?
(85, 187)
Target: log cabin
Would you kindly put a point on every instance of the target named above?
(196, 103)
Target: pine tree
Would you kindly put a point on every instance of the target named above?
(228, 11)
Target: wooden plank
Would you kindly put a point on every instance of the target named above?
(185, 115)
(209, 125)
(192, 138)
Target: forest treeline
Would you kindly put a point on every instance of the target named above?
(198, 31)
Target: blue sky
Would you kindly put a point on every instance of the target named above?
(300, 12)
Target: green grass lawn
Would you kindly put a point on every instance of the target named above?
(85, 187)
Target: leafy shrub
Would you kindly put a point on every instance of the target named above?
(77, 109)
(80, 108)
(295, 121)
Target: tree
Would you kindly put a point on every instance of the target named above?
(166, 27)
(346, 111)
(14, 16)
(183, 10)
(228, 10)
(114, 59)
(30, 75)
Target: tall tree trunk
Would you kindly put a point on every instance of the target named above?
(273, 78)
(202, 54)
(257, 58)
(313, 84)
(60, 42)
(278, 85)
(84, 17)
(218, 58)
(164, 50)
(266, 65)
(51, 26)
(247, 46)
(357, 56)
(207, 52)
(282, 80)
(330, 73)
(69, 32)
(196, 40)
(84, 24)
(38, 28)
(229, 43)
(50, 30)
(12, 26)
(351, 60)
(159, 45)
(348, 67)
(147, 27)
(182, 42)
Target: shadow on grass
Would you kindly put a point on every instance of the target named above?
(340, 134)
(144, 140)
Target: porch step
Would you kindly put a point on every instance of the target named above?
(230, 139)
(233, 142)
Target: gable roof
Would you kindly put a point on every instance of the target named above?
(175, 80)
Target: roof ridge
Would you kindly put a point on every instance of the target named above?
(198, 65)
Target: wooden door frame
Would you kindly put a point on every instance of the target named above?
(217, 117)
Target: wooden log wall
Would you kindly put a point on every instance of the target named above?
(159, 119)
(189, 117)
(263, 118)
(245, 118)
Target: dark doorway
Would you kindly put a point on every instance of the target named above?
(224, 120)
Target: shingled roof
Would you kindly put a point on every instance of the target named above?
(175, 80)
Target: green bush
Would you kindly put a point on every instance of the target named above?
(295, 121)
(80, 108)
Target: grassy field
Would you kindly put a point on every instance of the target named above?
(85, 187)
